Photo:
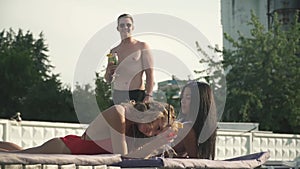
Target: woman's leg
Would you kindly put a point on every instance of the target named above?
(53, 146)
(8, 146)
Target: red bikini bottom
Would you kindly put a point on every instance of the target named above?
(77, 145)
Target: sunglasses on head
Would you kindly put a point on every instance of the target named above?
(122, 25)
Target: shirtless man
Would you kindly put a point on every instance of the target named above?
(134, 59)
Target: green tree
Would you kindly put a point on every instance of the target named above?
(27, 84)
(89, 102)
(103, 93)
(85, 104)
(17, 70)
(214, 74)
(49, 101)
(263, 83)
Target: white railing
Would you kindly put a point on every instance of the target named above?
(230, 143)
(33, 133)
(282, 147)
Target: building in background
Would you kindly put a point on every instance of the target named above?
(235, 14)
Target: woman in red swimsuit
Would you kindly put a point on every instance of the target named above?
(116, 130)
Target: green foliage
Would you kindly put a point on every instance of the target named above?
(89, 102)
(103, 93)
(171, 96)
(213, 73)
(27, 86)
(263, 83)
(85, 103)
(48, 101)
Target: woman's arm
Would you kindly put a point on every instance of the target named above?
(186, 142)
(115, 117)
(147, 149)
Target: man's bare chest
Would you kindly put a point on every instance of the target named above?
(129, 55)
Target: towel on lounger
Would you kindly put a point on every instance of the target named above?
(18, 158)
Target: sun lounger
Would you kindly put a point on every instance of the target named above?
(115, 161)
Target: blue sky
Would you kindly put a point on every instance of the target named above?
(70, 25)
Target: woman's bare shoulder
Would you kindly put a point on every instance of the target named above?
(115, 110)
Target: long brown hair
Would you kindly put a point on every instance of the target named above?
(202, 103)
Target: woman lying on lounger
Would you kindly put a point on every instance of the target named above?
(115, 130)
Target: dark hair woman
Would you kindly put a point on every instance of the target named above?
(198, 113)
